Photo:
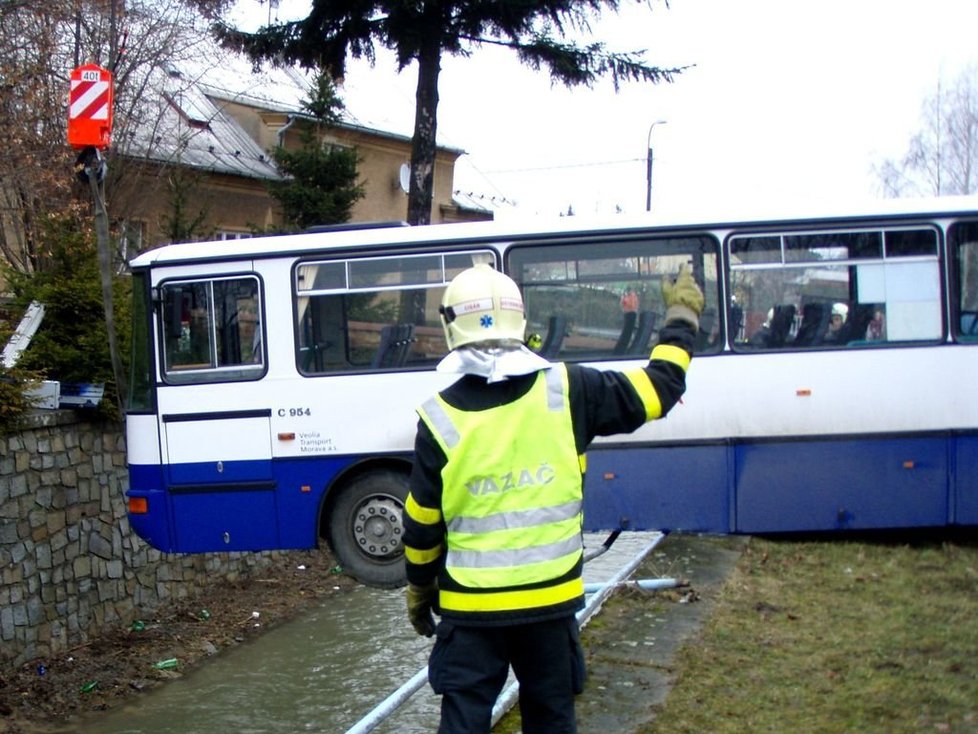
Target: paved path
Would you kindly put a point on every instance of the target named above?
(632, 641)
(631, 651)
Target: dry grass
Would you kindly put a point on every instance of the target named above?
(856, 635)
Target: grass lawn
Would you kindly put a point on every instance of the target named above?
(847, 635)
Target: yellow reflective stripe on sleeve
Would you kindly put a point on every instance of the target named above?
(421, 557)
(668, 353)
(582, 461)
(418, 513)
(500, 601)
(639, 379)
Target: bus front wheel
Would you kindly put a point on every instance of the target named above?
(366, 528)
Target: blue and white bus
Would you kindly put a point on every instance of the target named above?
(834, 385)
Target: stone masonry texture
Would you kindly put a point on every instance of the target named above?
(69, 564)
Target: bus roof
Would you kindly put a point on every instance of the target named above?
(365, 236)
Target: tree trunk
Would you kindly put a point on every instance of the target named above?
(421, 191)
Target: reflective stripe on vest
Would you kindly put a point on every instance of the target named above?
(511, 496)
(524, 519)
(499, 558)
(445, 431)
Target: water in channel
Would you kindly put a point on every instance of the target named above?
(322, 672)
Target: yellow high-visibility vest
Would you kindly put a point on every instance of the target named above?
(511, 498)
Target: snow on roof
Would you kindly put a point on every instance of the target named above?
(186, 122)
(184, 126)
(371, 102)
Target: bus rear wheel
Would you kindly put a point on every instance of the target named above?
(366, 528)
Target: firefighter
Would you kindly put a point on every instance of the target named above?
(493, 518)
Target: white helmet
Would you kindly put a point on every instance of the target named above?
(840, 309)
(481, 304)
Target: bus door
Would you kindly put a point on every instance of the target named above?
(216, 493)
(216, 443)
(219, 472)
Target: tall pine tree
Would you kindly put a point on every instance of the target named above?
(321, 185)
(424, 31)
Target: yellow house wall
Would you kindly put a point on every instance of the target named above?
(229, 204)
(380, 160)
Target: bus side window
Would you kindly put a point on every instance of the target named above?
(872, 286)
(590, 300)
(374, 313)
(211, 327)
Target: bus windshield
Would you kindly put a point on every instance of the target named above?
(141, 363)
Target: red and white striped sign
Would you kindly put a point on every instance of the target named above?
(90, 97)
(90, 107)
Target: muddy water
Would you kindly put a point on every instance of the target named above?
(320, 673)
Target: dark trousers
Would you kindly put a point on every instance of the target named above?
(469, 666)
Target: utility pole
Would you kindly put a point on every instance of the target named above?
(89, 132)
(648, 167)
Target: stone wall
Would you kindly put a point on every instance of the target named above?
(69, 564)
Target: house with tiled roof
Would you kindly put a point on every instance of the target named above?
(217, 127)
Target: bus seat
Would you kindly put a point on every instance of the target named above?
(859, 317)
(814, 323)
(395, 341)
(643, 333)
(969, 323)
(556, 331)
(627, 329)
(736, 322)
(781, 325)
(307, 359)
(405, 337)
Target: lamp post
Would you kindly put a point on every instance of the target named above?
(648, 167)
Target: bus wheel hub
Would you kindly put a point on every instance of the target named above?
(377, 526)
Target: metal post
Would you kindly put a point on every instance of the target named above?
(648, 166)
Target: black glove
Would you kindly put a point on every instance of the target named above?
(421, 601)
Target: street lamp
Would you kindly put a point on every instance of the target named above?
(648, 167)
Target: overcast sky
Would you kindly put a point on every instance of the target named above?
(786, 101)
